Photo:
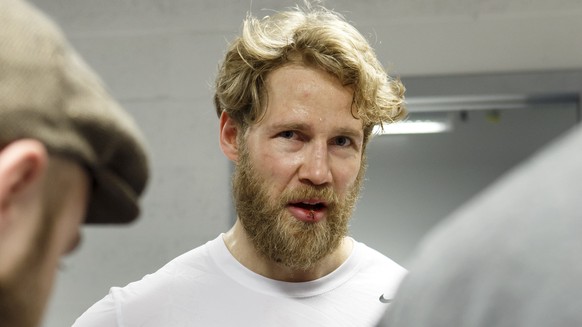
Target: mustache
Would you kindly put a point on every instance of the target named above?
(322, 193)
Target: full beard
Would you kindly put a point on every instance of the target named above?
(275, 233)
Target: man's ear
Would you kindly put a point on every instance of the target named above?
(229, 132)
(23, 164)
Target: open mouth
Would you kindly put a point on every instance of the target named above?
(308, 210)
(314, 206)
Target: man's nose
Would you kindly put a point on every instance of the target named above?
(315, 168)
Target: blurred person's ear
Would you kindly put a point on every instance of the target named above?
(229, 131)
(23, 164)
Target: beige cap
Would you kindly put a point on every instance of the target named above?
(48, 93)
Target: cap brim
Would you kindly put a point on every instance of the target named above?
(112, 201)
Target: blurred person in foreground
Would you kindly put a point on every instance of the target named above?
(509, 257)
(68, 156)
(297, 94)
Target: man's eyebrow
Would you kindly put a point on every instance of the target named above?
(290, 126)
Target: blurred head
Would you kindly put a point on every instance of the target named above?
(43, 204)
(68, 155)
(315, 37)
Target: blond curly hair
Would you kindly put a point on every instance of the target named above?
(313, 36)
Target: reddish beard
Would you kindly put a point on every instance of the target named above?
(274, 232)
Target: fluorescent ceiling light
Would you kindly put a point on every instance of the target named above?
(412, 127)
(418, 123)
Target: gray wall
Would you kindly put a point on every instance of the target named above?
(159, 58)
(413, 181)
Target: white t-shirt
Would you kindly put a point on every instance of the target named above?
(207, 286)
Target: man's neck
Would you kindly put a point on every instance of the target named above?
(240, 246)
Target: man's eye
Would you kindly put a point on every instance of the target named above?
(287, 134)
(342, 141)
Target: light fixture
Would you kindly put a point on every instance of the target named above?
(489, 102)
(433, 114)
(418, 123)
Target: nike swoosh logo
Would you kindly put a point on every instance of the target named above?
(384, 300)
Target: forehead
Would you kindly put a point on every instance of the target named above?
(311, 94)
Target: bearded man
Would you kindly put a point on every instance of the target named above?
(297, 95)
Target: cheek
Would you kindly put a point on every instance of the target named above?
(346, 174)
(65, 233)
(72, 218)
(74, 221)
(276, 170)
